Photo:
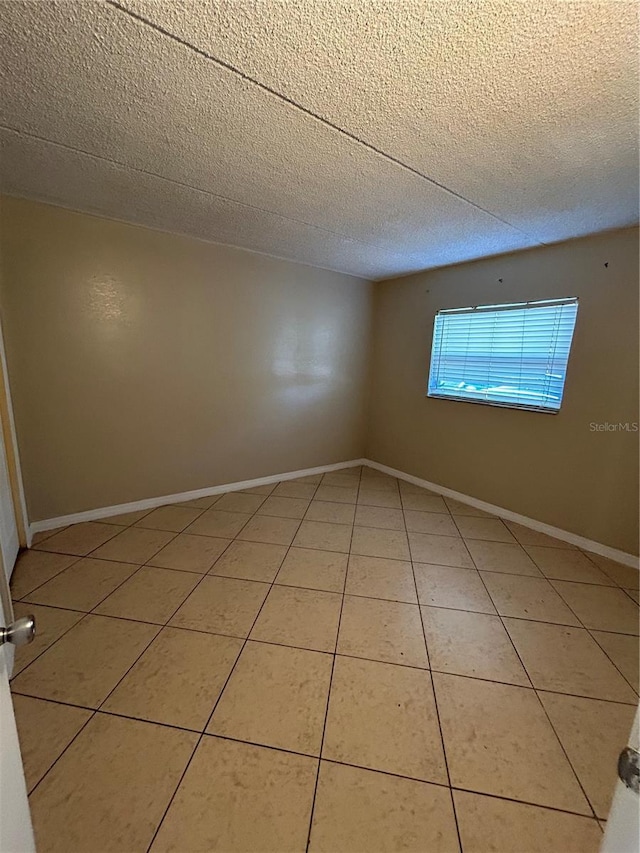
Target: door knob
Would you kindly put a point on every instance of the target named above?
(20, 632)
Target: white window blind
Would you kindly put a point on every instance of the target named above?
(505, 355)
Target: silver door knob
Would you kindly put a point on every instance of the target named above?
(20, 632)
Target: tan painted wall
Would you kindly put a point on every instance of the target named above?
(144, 364)
(552, 468)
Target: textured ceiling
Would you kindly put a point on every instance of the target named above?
(376, 137)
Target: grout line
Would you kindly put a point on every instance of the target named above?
(431, 679)
(245, 640)
(333, 666)
(22, 692)
(95, 712)
(186, 531)
(522, 663)
(306, 111)
(590, 631)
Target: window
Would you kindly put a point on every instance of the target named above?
(506, 355)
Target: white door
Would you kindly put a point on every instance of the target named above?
(622, 833)
(16, 833)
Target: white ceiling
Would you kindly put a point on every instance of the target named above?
(375, 137)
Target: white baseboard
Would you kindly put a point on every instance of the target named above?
(151, 503)
(540, 526)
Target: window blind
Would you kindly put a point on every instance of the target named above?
(508, 355)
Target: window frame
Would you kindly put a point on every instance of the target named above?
(527, 407)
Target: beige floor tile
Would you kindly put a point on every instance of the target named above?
(83, 585)
(625, 576)
(458, 508)
(473, 644)
(593, 734)
(378, 480)
(383, 717)
(304, 618)
(134, 545)
(447, 586)
(487, 529)
(388, 631)
(295, 489)
(527, 598)
(276, 696)
(505, 557)
(323, 536)
(45, 729)
(171, 518)
(601, 608)
(151, 595)
(371, 496)
(527, 536)
(374, 542)
(422, 502)
(337, 494)
(264, 490)
(440, 550)
(222, 606)
(34, 568)
(273, 531)
(379, 578)
(341, 478)
(491, 825)
(128, 771)
(430, 522)
(361, 811)
(200, 503)
(87, 662)
(378, 516)
(214, 522)
(567, 564)
(189, 553)
(240, 502)
(567, 660)
(126, 518)
(253, 561)
(237, 797)
(51, 623)
(40, 535)
(177, 680)
(624, 651)
(284, 507)
(80, 539)
(488, 728)
(330, 512)
(305, 567)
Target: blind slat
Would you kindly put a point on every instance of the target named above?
(513, 354)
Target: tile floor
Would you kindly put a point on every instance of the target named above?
(344, 663)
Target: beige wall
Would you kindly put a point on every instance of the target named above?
(552, 468)
(143, 364)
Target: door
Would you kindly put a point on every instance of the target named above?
(622, 832)
(16, 833)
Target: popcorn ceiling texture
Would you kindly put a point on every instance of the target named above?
(375, 137)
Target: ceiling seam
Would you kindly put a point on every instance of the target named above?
(390, 157)
(200, 190)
